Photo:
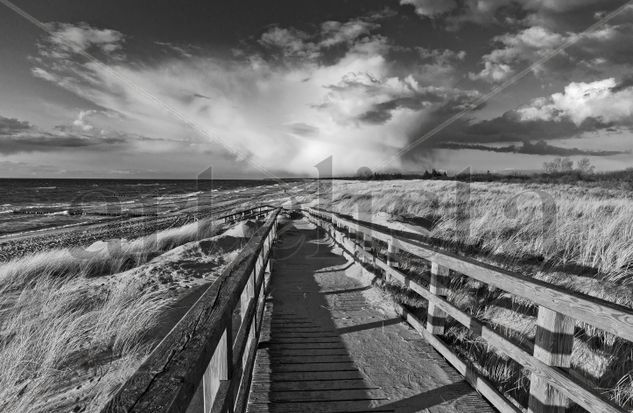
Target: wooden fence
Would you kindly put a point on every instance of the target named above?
(245, 214)
(205, 363)
(551, 386)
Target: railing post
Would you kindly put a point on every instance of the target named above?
(248, 293)
(218, 369)
(391, 257)
(436, 318)
(552, 345)
(367, 247)
(352, 233)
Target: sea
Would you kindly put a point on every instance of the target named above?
(28, 204)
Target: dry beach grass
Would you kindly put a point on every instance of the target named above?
(73, 329)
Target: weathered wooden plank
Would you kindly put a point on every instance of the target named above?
(602, 314)
(553, 346)
(245, 384)
(299, 346)
(436, 318)
(357, 384)
(319, 407)
(392, 250)
(278, 376)
(218, 369)
(316, 396)
(263, 366)
(309, 352)
(302, 359)
(304, 340)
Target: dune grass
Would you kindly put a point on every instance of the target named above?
(100, 259)
(576, 237)
(69, 335)
(57, 332)
(588, 230)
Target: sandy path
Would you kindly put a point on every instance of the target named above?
(331, 344)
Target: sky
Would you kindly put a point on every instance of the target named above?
(265, 89)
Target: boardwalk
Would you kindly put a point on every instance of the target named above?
(328, 345)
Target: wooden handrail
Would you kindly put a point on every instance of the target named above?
(614, 318)
(200, 352)
(246, 213)
(556, 304)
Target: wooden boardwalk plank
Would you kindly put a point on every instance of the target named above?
(317, 407)
(303, 361)
(267, 376)
(315, 396)
(356, 384)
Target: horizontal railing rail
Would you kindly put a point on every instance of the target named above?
(246, 213)
(551, 385)
(202, 355)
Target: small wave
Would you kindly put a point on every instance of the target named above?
(179, 196)
(151, 184)
(66, 212)
(46, 187)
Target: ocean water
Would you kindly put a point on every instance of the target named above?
(30, 204)
(23, 193)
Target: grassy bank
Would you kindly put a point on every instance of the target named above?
(75, 324)
(101, 258)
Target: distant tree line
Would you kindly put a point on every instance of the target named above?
(563, 165)
(557, 171)
(366, 175)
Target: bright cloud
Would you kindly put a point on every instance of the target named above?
(525, 46)
(356, 109)
(67, 38)
(580, 101)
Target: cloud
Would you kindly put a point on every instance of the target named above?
(66, 39)
(604, 100)
(334, 33)
(11, 126)
(431, 8)
(527, 45)
(358, 106)
(291, 44)
(581, 108)
(504, 12)
(538, 148)
(34, 140)
(81, 121)
(362, 97)
(595, 52)
(18, 136)
(184, 51)
(303, 129)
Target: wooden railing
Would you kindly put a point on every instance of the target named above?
(254, 212)
(205, 363)
(551, 386)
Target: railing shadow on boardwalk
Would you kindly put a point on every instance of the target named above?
(303, 364)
